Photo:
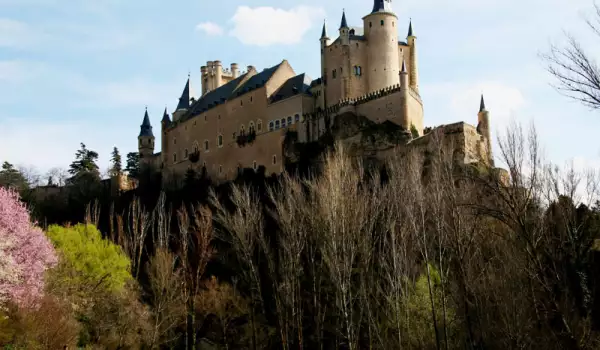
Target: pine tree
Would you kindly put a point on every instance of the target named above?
(85, 162)
(11, 177)
(133, 164)
(116, 162)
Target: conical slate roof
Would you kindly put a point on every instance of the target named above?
(146, 127)
(344, 23)
(482, 104)
(382, 6)
(184, 100)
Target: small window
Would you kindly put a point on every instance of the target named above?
(219, 117)
(254, 165)
(194, 123)
(259, 125)
(174, 157)
(277, 124)
(333, 74)
(174, 141)
(241, 103)
(220, 140)
(381, 22)
(185, 154)
(297, 117)
(196, 148)
(370, 24)
(271, 126)
(233, 136)
(274, 160)
(393, 24)
(283, 122)
(220, 169)
(250, 98)
(289, 121)
(242, 129)
(205, 117)
(251, 127)
(204, 164)
(206, 145)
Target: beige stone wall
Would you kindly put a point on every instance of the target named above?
(334, 58)
(382, 54)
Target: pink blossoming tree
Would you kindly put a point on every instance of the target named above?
(25, 252)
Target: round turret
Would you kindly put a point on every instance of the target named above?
(383, 59)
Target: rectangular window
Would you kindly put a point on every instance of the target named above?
(271, 126)
(277, 124)
(297, 117)
(289, 121)
(283, 122)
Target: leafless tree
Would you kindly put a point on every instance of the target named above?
(576, 73)
(59, 175)
(139, 222)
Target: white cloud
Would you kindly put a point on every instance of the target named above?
(265, 26)
(210, 28)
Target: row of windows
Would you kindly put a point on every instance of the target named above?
(254, 164)
(283, 122)
(357, 71)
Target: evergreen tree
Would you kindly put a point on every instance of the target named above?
(85, 162)
(133, 164)
(13, 178)
(116, 162)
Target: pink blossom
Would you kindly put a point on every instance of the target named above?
(25, 251)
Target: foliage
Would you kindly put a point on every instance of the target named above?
(13, 178)
(92, 261)
(85, 162)
(116, 162)
(25, 252)
(133, 164)
(413, 131)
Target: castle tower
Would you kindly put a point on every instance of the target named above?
(325, 41)
(218, 78)
(345, 70)
(344, 30)
(146, 137)
(235, 71)
(164, 125)
(414, 69)
(383, 58)
(184, 101)
(483, 127)
(204, 79)
(405, 122)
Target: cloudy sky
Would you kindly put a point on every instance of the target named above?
(83, 71)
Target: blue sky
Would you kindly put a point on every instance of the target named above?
(83, 71)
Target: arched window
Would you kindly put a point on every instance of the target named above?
(297, 118)
(370, 24)
(174, 157)
(205, 145)
(277, 124)
(220, 169)
(220, 140)
(381, 22)
(271, 126)
(174, 140)
(274, 159)
(289, 121)
(251, 127)
(283, 122)
(185, 153)
(254, 165)
(259, 125)
(196, 147)
(242, 130)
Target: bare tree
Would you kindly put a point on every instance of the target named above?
(576, 73)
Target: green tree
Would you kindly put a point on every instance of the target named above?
(88, 261)
(85, 162)
(11, 177)
(133, 164)
(116, 167)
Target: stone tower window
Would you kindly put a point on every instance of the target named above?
(242, 129)
(274, 159)
(381, 22)
(220, 169)
(205, 145)
(297, 118)
(259, 125)
(220, 140)
(241, 102)
(283, 122)
(271, 126)
(251, 127)
(254, 165)
(277, 124)
(250, 98)
(333, 74)
(174, 141)
(370, 24)
(196, 147)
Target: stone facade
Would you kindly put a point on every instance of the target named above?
(242, 118)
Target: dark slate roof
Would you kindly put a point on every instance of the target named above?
(184, 100)
(482, 104)
(324, 32)
(382, 6)
(356, 33)
(166, 119)
(410, 30)
(316, 82)
(230, 90)
(402, 43)
(300, 84)
(146, 127)
(344, 23)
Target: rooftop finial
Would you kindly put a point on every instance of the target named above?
(482, 104)
(324, 32)
(410, 28)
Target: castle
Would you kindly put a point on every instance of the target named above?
(241, 118)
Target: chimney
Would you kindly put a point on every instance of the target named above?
(234, 70)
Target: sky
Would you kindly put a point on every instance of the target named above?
(84, 71)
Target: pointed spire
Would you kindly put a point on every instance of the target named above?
(410, 29)
(324, 32)
(403, 67)
(146, 127)
(344, 23)
(166, 118)
(481, 104)
(382, 6)
(184, 100)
